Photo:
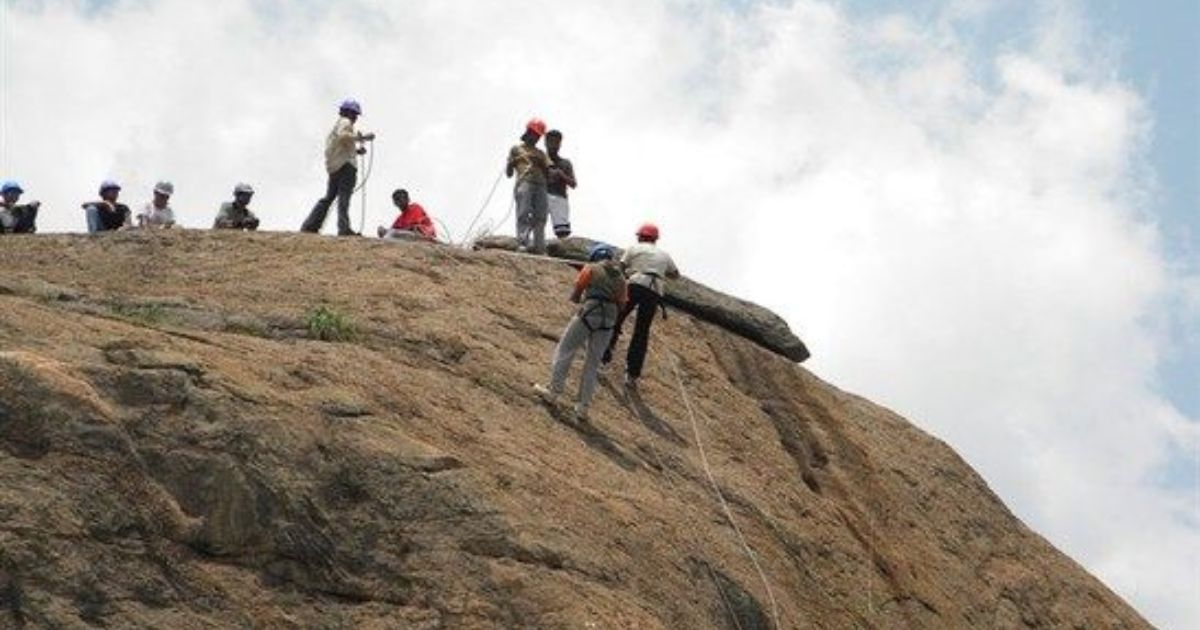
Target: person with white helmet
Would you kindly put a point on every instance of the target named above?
(601, 293)
(532, 168)
(341, 153)
(107, 214)
(236, 214)
(646, 266)
(14, 218)
(157, 213)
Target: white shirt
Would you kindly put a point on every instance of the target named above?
(151, 216)
(7, 218)
(647, 265)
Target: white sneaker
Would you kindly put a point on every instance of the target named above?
(581, 413)
(545, 393)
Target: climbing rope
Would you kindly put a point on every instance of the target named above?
(487, 200)
(717, 489)
(362, 184)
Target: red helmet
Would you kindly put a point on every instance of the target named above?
(537, 126)
(648, 232)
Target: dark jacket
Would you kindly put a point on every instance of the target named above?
(111, 217)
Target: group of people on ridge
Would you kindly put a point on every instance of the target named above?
(607, 290)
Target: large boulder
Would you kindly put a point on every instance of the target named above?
(758, 324)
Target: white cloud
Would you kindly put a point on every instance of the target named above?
(967, 246)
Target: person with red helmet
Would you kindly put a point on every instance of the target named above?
(646, 266)
(532, 168)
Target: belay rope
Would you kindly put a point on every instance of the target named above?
(687, 403)
(362, 184)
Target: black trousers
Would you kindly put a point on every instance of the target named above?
(646, 302)
(341, 187)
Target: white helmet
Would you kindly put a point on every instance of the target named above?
(243, 189)
(165, 188)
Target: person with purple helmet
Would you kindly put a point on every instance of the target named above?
(341, 155)
(107, 215)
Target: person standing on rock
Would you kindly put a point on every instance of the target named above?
(532, 168)
(601, 293)
(236, 214)
(107, 214)
(14, 218)
(562, 177)
(157, 214)
(341, 154)
(646, 266)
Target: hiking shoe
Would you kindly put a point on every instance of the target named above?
(581, 413)
(630, 382)
(545, 393)
(606, 358)
(382, 231)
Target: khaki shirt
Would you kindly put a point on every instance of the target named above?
(530, 163)
(646, 265)
(340, 147)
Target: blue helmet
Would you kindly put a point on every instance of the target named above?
(601, 251)
(10, 186)
(351, 105)
(109, 184)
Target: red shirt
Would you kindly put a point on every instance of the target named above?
(414, 219)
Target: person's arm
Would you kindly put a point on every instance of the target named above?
(511, 165)
(672, 270)
(222, 222)
(581, 283)
(567, 171)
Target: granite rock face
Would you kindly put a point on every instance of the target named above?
(180, 449)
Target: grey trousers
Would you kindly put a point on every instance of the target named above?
(575, 337)
(533, 207)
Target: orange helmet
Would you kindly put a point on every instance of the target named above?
(537, 126)
(648, 232)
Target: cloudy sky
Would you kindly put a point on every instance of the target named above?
(981, 213)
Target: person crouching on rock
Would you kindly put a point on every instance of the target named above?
(236, 214)
(157, 213)
(16, 219)
(646, 266)
(601, 293)
(412, 223)
(107, 215)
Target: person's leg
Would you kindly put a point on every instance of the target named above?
(540, 209)
(560, 216)
(316, 218)
(94, 224)
(616, 332)
(347, 180)
(573, 337)
(596, 344)
(635, 359)
(523, 198)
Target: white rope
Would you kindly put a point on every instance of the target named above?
(362, 186)
(468, 234)
(717, 489)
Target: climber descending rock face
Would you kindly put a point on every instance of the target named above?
(648, 269)
(601, 294)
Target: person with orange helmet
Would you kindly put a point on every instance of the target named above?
(646, 266)
(532, 168)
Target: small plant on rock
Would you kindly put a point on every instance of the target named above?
(327, 324)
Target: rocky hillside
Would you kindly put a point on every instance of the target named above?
(180, 448)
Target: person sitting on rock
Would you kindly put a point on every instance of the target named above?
(157, 213)
(16, 219)
(646, 266)
(601, 292)
(107, 215)
(412, 223)
(236, 214)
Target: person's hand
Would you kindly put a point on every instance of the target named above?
(361, 151)
(35, 204)
(366, 137)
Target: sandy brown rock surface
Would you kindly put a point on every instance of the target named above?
(176, 451)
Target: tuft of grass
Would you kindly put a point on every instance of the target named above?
(326, 324)
(144, 314)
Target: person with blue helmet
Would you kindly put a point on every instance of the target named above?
(14, 218)
(341, 155)
(107, 215)
(601, 293)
